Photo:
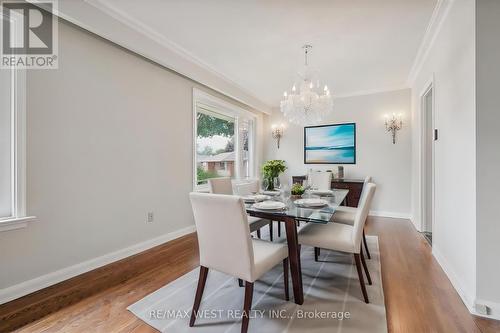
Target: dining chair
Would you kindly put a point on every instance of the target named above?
(343, 237)
(320, 180)
(250, 186)
(224, 185)
(216, 216)
(345, 215)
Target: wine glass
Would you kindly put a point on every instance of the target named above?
(285, 193)
(308, 187)
(276, 183)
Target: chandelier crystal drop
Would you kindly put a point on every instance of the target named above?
(307, 102)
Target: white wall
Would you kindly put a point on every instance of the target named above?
(387, 163)
(109, 139)
(488, 152)
(451, 61)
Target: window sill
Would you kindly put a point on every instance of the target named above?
(15, 223)
(202, 189)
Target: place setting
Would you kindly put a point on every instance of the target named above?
(270, 205)
(311, 203)
(257, 197)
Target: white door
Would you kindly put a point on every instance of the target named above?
(428, 159)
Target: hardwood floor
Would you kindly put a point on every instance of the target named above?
(418, 295)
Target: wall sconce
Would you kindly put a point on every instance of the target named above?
(277, 132)
(393, 124)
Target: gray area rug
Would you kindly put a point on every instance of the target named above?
(333, 301)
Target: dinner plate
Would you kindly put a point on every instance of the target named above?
(256, 197)
(311, 202)
(322, 192)
(271, 193)
(269, 205)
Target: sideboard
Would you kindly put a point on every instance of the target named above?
(355, 186)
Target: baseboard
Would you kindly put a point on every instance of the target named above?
(44, 281)
(466, 296)
(394, 215)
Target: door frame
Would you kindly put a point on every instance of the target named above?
(430, 85)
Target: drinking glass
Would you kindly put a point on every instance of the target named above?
(264, 184)
(308, 187)
(276, 183)
(285, 193)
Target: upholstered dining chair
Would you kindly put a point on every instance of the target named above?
(224, 185)
(343, 237)
(345, 215)
(250, 186)
(320, 180)
(241, 256)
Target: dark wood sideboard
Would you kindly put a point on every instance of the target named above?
(355, 186)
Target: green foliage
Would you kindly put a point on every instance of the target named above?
(273, 168)
(209, 126)
(297, 189)
(202, 175)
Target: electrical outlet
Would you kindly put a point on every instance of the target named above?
(150, 217)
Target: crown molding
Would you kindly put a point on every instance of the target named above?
(114, 25)
(438, 17)
(371, 91)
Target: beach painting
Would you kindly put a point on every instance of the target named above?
(330, 144)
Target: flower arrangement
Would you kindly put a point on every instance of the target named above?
(271, 170)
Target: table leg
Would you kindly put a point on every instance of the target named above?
(294, 255)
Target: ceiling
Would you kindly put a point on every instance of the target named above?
(359, 46)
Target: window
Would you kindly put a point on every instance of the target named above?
(223, 137)
(6, 181)
(12, 150)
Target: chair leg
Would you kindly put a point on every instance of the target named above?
(258, 233)
(279, 228)
(316, 253)
(199, 293)
(271, 231)
(366, 245)
(285, 278)
(360, 276)
(240, 282)
(364, 266)
(247, 306)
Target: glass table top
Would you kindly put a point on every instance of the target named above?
(317, 215)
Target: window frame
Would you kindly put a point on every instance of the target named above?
(18, 218)
(231, 110)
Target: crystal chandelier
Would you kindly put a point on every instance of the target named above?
(307, 104)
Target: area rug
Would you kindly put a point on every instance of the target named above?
(333, 301)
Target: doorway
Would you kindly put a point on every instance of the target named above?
(429, 135)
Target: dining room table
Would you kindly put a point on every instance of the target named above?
(295, 210)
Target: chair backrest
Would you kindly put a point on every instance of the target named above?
(223, 234)
(368, 179)
(246, 187)
(221, 185)
(362, 213)
(321, 180)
